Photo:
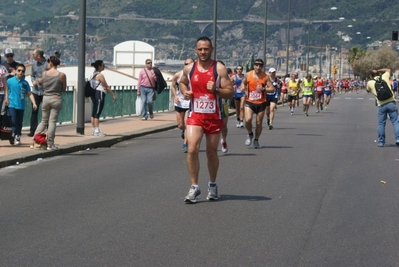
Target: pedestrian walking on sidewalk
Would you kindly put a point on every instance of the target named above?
(38, 67)
(97, 80)
(204, 83)
(18, 89)
(145, 88)
(3, 85)
(54, 83)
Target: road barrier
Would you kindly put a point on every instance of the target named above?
(125, 105)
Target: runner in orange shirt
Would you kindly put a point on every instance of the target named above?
(256, 83)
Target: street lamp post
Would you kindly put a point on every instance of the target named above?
(80, 120)
(308, 50)
(215, 7)
(265, 34)
(288, 36)
(321, 29)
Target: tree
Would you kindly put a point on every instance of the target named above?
(385, 57)
(355, 54)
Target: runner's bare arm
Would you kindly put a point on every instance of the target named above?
(183, 85)
(269, 88)
(226, 86)
(174, 83)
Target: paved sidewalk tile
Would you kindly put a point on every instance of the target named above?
(68, 141)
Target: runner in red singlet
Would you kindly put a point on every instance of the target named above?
(208, 82)
(319, 95)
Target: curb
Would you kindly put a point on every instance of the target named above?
(106, 141)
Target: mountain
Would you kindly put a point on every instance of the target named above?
(125, 20)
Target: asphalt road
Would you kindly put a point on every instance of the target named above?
(310, 196)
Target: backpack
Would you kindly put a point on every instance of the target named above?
(90, 91)
(160, 85)
(382, 89)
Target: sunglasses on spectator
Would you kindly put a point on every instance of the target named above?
(23, 71)
(148, 62)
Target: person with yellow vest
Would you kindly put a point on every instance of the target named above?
(307, 93)
(293, 91)
(256, 84)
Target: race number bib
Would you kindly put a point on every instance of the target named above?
(319, 89)
(204, 105)
(307, 90)
(255, 95)
(183, 102)
(238, 90)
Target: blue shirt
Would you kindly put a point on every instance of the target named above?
(17, 92)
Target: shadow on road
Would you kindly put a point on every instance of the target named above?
(242, 197)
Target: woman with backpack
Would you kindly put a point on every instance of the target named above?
(98, 82)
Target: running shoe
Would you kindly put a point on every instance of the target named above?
(381, 144)
(397, 142)
(17, 140)
(212, 192)
(224, 146)
(185, 148)
(99, 133)
(193, 195)
(248, 141)
(256, 144)
(241, 124)
(325, 108)
(238, 124)
(151, 116)
(317, 111)
(53, 147)
(270, 127)
(292, 111)
(306, 114)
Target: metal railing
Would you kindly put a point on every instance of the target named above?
(125, 104)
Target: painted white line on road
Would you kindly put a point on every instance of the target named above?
(360, 98)
(348, 97)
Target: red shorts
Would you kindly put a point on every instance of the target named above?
(209, 126)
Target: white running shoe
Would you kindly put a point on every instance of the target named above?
(225, 149)
(248, 141)
(193, 195)
(212, 192)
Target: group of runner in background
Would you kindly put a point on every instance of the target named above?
(315, 91)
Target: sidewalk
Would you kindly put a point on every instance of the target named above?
(68, 141)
